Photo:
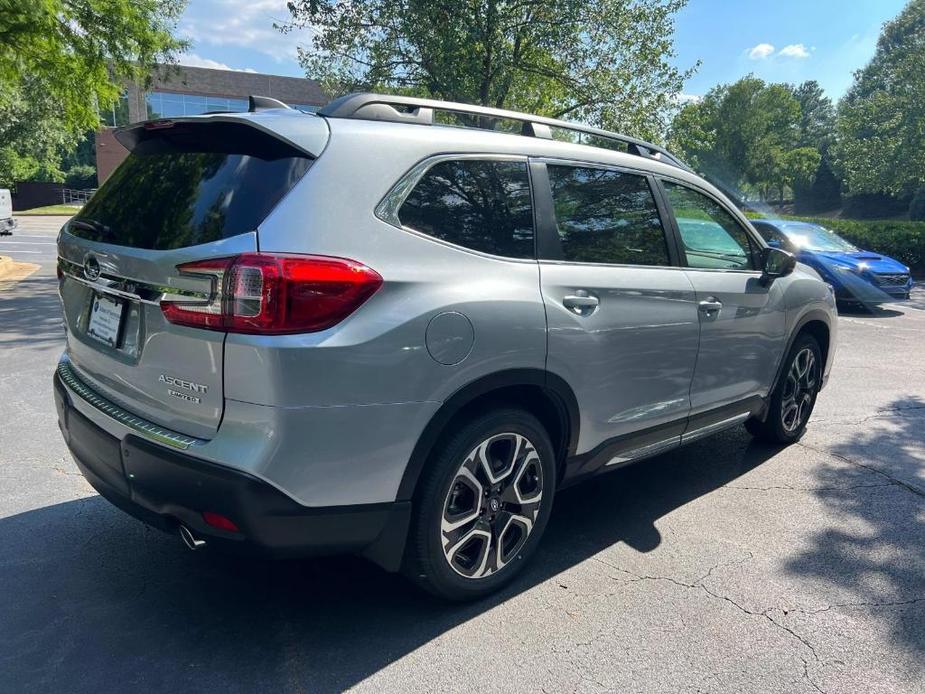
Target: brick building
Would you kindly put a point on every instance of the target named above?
(177, 90)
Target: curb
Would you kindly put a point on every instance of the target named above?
(13, 270)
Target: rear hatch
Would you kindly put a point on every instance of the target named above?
(190, 190)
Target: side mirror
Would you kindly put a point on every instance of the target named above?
(777, 263)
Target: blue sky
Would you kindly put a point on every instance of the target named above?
(780, 41)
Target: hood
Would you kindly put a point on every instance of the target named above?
(861, 260)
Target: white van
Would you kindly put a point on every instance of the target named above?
(7, 223)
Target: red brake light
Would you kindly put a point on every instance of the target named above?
(275, 294)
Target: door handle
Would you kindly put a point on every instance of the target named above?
(710, 306)
(581, 302)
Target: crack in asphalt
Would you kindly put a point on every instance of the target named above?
(807, 489)
(877, 414)
(910, 487)
(765, 614)
(891, 603)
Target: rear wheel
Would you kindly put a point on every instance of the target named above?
(483, 504)
(794, 398)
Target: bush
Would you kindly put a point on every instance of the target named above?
(917, 206)
(81, 177)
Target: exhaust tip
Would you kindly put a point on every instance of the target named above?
(190, 540)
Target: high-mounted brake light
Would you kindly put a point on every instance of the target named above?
(268, 294)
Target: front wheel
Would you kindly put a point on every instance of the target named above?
(794, 397)
(483, 504)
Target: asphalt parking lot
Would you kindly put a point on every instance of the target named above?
(726, 566)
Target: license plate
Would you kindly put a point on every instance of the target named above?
(105, 320)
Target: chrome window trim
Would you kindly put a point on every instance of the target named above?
(142, 292)
(142, 427)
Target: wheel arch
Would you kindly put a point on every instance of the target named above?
(543, 394)
(816, 323)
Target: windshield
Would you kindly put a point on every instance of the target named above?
(816, 238)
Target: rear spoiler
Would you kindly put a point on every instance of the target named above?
(304, 132)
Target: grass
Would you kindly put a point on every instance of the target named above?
(68, 210)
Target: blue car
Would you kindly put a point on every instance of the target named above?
(858, 276)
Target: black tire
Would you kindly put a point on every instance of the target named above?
(783, 424)
(447, 496)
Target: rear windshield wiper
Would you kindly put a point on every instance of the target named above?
(92, 225)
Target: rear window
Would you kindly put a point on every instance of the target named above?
(482, 205)
(189, 184)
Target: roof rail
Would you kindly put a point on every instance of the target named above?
(409, 109)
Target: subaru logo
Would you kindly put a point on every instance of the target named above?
(91, 268)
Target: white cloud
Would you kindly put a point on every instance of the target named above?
(194, 60)
(761, 51)
(794, 50)
(244, 24)
(682, 99)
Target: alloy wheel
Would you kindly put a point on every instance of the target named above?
(492, 505)
(799, 390)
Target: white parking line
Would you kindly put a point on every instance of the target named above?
(19, 251)
(27, 243)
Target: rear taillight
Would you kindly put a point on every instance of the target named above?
(275, 294)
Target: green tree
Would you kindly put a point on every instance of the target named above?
(607, 62)
(62, 61)
(821, 191)
(881, 137)
(816, 126)
(32, 134)
(740, 134)
(800, 166)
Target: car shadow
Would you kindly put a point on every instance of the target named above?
(30, 313)
(875, 551)
(870, 311)
(93, 599)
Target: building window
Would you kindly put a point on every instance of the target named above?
(171, 104)
(117, 113)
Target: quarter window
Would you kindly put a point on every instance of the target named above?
(606, 216)
(710, 236)
(481, 205)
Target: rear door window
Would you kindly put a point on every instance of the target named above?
(606, 216)
(483, 205)
(190, 184)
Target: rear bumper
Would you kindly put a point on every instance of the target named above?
(167, 488)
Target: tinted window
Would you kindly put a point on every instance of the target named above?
(606, 217)
(711, 237)
(482, 205)
(773, 236)
(189, 185)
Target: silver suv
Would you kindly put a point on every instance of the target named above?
(370, 330)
